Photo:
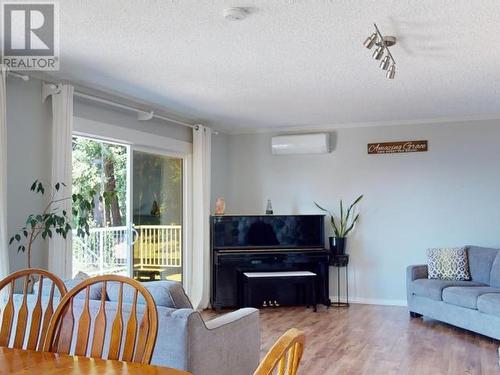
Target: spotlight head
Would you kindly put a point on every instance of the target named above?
(384, 64)
(391, 73)
(379, 52)
(370, 41)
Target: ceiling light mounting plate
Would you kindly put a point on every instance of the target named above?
(389, 41)
(235, 13)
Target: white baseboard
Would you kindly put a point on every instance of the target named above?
(373, 301)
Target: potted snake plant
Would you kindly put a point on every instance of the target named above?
(342, 225)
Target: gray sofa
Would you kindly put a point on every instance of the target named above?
(226, 345)
(473, 305)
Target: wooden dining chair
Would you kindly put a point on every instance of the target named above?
(139, 339)
(284, 355)
(40, 315)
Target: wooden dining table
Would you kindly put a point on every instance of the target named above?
(17, 361)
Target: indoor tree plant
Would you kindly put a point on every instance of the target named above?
(342, 225)
(54, 220)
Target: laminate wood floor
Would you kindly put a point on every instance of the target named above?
(370, 339)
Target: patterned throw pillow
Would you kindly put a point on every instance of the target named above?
(448, 263)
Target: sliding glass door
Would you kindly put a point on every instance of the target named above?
(137, 224)
(157, 202)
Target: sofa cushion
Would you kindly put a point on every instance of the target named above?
(449, 263)
(480, 262)
(466, 296)
(433, 288)
(164, 293)
(495, 272)
(489, 303)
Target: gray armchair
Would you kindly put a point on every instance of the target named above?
(226, 345)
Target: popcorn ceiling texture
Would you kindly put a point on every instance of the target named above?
(290, 63)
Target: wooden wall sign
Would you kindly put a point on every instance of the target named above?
(397, 147)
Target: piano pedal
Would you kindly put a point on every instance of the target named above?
(270, 303)
(264, 304)
(276, 304)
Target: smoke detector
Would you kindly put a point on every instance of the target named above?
(235, 13)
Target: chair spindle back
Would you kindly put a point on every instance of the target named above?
(139, 340)
(40, 314)
(284, 356)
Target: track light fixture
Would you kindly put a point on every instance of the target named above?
(370, 41)
(384, 64)
(383, 43)
(391, 72)
(379, 52)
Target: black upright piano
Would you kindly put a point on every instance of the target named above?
(266, 243)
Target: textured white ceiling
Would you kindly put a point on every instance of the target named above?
(291, 63)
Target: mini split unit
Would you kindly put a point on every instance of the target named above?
(318, 143)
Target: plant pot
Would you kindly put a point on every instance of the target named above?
(332, 244)
(337, 245)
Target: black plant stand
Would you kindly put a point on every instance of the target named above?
(341, 261)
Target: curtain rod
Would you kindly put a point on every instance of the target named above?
(21, 76)
(142, 115)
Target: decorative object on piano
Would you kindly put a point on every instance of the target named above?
(269, 208)
(220, 206)
(341, 226)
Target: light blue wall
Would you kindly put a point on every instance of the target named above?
(28, 158)
(448, 196)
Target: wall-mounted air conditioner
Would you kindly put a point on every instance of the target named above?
(318, 143)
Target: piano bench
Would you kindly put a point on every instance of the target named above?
(263, 283)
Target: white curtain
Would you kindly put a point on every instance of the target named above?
(4, 249)
(200, 267)
(60, 250)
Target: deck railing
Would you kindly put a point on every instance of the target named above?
(106, 250)
(158, 246)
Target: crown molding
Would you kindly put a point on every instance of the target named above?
(332, 127)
